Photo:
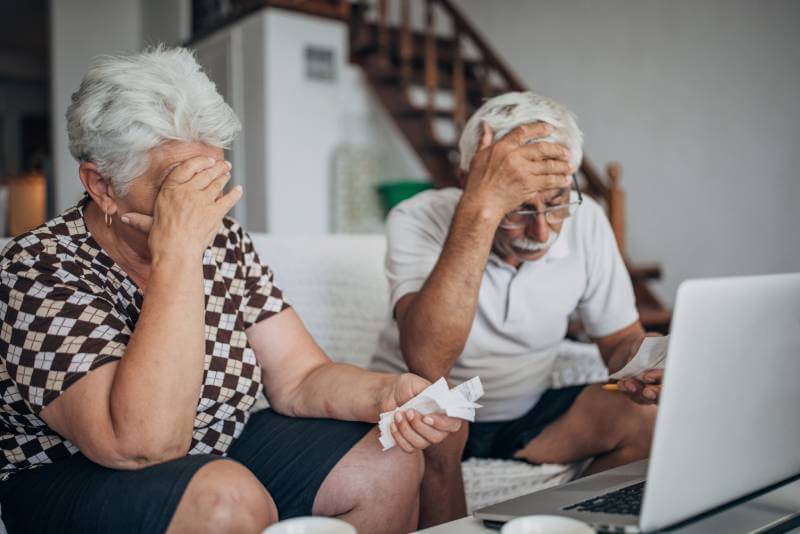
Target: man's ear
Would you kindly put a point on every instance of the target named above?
(98, 187)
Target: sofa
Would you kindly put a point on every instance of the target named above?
(336, 284)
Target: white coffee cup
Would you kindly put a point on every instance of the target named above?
(311, 525)
(546, 524)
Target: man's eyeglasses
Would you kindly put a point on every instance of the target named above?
(552, 215)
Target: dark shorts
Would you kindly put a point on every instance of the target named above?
(502, 439)
(290, 456)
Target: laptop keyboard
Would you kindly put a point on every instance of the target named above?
(625, 501)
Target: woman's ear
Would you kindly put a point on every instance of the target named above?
(98, 187)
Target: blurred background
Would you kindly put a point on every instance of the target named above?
(690, 110)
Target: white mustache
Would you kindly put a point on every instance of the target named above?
(529, 245)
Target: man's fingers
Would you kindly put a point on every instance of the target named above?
(651, 393)
(229, 199)
(526, 132)
(140, 221)
(543, 150)
(487, 136)
(537, 183)
(654, 376)
(186, 170)
(548, 166)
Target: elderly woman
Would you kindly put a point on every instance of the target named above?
(138, 327)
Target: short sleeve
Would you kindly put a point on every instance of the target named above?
(53, 331)
(608, 304)
(262, 298)
(415, 234)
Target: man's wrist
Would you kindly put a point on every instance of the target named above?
(481, 209)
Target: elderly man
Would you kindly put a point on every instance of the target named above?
(483, 281)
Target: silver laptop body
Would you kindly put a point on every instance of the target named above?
(728, 421)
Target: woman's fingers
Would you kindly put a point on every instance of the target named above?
(207, 176)
(140, 221)
(443, 422)
(401, 441)
(229, 200)
(188, 169)
(424, 426)
(217, 185)
(409, 434)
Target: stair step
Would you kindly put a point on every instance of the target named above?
(439, 113)
(645, 271)
(445, 46)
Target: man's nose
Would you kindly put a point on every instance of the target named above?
(538, 229)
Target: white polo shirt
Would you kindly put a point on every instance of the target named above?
(522, 314)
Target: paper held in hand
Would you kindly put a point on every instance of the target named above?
(437, 398)
(652, 355)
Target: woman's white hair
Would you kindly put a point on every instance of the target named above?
(505, 112)
(128, 104)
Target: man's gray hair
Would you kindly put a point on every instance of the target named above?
(505, 112)
(128, 104)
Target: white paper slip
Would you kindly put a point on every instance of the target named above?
(652, 355)
(437, 398)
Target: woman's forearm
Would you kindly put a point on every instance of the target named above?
(154, 394)
(338, 391)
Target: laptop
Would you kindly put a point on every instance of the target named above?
(727, 425)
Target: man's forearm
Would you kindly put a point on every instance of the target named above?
(435, 327)
(154, 395)
(617, 348)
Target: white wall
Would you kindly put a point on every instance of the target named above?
(292, 125)
(697, 100)
(81, 29)
(308, 119)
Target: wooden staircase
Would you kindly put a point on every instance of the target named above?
(431, 69)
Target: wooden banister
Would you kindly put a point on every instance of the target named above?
(406, 42)
(488, 53)
(431, 63)
(459, 84)
(595, 185)
(616, 205)
(383, 34)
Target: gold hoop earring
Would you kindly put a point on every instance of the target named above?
(107, 218)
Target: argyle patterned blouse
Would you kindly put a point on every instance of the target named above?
(66, 308)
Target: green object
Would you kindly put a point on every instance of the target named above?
(393, 193)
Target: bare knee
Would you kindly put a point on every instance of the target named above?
(224, 496)
(637, 426)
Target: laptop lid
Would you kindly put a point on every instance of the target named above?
(729, 412)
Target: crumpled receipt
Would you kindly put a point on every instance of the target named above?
(652, 355)
(437, 398)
